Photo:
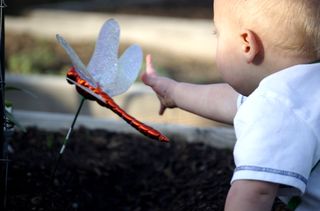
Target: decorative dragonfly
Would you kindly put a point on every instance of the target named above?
(107, 76)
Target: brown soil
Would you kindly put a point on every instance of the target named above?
(101, 170)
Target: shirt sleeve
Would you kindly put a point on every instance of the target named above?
(273, 144)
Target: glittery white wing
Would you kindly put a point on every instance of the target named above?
(76, 61)
(129, 66)
(103, 63)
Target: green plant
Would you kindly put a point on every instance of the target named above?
(12, 121)
(37, 59)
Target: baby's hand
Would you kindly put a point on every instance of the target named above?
(163, 87)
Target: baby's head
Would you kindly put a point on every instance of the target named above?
(289, 25)
(269, 34)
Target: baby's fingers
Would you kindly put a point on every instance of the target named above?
(149, 66)
(148, 76)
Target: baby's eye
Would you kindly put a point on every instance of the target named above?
(215, 31)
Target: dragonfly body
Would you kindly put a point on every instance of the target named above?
(106, 101)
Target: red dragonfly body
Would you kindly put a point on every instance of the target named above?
(108, 102)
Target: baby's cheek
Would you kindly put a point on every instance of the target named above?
(220, 62)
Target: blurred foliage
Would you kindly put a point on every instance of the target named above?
(26, 54)
(38, 59)
(29, 55)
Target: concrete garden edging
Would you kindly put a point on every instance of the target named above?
(219, 137)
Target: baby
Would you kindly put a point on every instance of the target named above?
(268, 54)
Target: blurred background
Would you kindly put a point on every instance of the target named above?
(177, 33)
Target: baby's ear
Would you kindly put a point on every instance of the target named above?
(251, 45)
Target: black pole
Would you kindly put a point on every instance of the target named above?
(2, 79)
(2, 111)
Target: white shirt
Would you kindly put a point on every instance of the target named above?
(278, 134)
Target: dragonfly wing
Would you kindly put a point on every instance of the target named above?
(76, 61)
(103, 63)
(129, 66)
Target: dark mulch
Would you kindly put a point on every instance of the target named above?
(101, 170)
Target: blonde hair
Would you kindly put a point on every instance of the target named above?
(291, 25)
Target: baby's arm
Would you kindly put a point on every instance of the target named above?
(214, 101)
(245, 195)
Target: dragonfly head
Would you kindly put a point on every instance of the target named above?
(72, 75)
(74, 78)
